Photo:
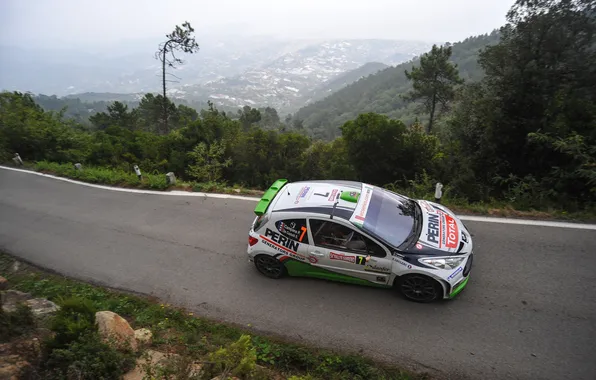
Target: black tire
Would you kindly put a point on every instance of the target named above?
(270, 266)
(420, 288)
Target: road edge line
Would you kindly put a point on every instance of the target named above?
(137, 191)
(471, 218)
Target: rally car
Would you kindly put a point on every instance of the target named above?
(362, 234)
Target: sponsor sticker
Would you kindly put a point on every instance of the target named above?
(282, 244)
(332, 196)
(301, 194)
(442, 230)
(342, 257)
(409, 266)
(362, 206)
(452, 232)
(418, 245)
(313, 260)
(376, 268)
(452, 275)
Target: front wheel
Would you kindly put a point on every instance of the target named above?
(270, 266)
(420, 288)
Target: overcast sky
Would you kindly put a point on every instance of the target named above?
(65, 22)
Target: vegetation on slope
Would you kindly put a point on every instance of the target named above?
(75, 350)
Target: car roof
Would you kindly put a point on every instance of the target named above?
(317, 197)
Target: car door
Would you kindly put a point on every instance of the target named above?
(341, 248)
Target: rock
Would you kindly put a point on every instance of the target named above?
(41, 307)
(115, 330)
(3, 283)
(153, 357)
(11, 298)
(11, 367)
(143, 336)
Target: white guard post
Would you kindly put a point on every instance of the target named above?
(438, 192)
(138, 171)
(17, 159)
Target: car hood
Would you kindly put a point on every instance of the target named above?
(442, 232)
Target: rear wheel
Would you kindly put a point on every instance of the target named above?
(420, 288)
(270, 266)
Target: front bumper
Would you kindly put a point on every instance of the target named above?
(463, 281)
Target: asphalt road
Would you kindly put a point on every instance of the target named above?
(529, 311)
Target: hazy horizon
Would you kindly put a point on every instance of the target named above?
(70, 23)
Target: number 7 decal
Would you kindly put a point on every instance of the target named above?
(303, 229)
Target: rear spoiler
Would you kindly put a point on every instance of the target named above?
(269, 195)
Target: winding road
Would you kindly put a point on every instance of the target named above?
(529, 311)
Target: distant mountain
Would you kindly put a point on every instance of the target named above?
(381, 92)
(288, 82)
(284, 74)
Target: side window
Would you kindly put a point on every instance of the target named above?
(333, 235)
(294, 229)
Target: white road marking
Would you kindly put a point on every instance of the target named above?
(526, 222)
(138, 191)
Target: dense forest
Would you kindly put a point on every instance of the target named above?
(520, 128)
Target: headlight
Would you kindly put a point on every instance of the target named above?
(443, 263)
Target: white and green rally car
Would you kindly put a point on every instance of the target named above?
(362, 234)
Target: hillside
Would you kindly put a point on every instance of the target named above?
(344, 79)
(381, 92)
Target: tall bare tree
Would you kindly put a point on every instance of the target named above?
(180, 40)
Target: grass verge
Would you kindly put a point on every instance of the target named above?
(423, 190)
(128, 179)
(178, 331)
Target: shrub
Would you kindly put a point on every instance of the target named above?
(87, 358)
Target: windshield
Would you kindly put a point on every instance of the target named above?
(388, 216)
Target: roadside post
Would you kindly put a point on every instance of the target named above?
(438, 192)
(138, 172)
(170, 178)
(78, 166)
(17, 159)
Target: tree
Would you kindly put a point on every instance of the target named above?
(249, 116)
(117, 115)
(434, 81)
(528, 127)
(209, 161)
(181, 40)
(383, 151)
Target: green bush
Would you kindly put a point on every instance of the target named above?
(76, 350)
(87, 358)
(236, 359)
(75, 318)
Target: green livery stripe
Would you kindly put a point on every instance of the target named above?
(459, 288)
(268, 196)
(299, 269)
